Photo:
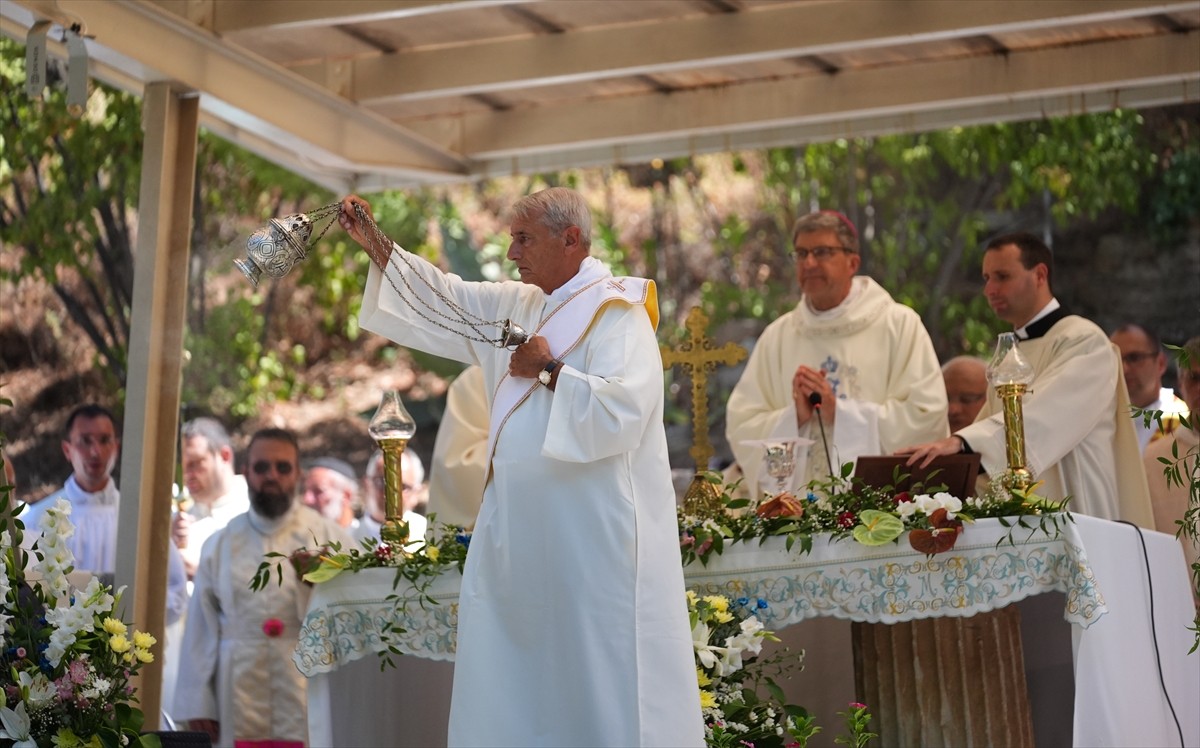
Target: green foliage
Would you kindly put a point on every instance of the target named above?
(67, 203)
(229, 370)
(1174, 197)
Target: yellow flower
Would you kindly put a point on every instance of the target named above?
(702, 677)
(718, 603)
(432, 552)
(722, 617)
(119, 644)
(114, 626)
(143, 640)
(707, 700)
(143, 655)
(691, 595)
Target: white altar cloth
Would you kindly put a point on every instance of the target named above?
(1096, 563)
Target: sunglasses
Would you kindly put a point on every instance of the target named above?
(263, 466)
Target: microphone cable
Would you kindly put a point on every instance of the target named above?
(814, 399)
(1154, 628)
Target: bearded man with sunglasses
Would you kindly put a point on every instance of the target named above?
(847, 353)
(237, 681)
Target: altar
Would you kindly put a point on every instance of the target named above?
(1120, 636)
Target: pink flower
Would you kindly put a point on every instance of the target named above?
(857, 705)
(687, 540)
(20, 653)
(77, 671)
(272, 627)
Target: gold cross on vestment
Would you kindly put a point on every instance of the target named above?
(698, 357)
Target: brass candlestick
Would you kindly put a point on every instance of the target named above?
(391, 427)
(1010, 395)
(392, 530)
(1010, 373)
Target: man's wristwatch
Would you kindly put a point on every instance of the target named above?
(545, 375)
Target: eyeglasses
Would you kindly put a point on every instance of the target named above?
(1137, 357)
(820, 254)
(281, 466)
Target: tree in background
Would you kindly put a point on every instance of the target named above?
(68, 204)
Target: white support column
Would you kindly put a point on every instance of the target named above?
(170, 119)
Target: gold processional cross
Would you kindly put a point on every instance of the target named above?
(698, 357)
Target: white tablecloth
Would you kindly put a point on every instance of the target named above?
(1118, 700)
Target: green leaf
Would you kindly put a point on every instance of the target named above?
(323, 573)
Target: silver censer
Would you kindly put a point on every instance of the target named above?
(276, 248)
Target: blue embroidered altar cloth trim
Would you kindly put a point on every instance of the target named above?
(354, 615)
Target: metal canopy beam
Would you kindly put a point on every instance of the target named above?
(944, 86)
(329, 126)
(223, 17)
(692, 43)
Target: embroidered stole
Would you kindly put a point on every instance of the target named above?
(564, 329)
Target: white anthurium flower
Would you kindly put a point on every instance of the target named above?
(16, 726)
(906, 509)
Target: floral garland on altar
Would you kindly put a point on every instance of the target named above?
(846, 508)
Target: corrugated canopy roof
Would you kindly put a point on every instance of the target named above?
(368, 94)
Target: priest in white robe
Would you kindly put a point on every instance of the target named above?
(1079, 439)
(1143, 361)
(237, 681)
(218, 494)
(868, 359)
(572, 625)
(91, 444)
(460, 460)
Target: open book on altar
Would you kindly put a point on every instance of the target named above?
(956, 472)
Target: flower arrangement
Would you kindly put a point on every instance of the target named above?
(728, 637)
(847, 508)
(66, 658)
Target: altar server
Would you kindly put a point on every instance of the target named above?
(868, 359)
(572, 621)
(1079, 439)
(237, 681)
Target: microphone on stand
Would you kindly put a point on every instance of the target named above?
(814, 399)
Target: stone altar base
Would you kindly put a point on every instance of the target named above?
(945, 681)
